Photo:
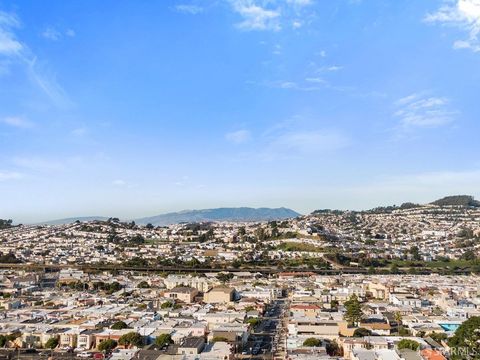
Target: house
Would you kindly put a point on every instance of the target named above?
(311, 326)
(305, 310)
(69, 338)
(219, 295)
(182, 293)
(191, 346)
(86, 339)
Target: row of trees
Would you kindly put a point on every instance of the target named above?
(5, 224)
(133, 339)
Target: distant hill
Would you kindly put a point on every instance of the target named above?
(220, 214)
(457, 200)
(73, 219)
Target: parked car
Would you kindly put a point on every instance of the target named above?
(84, 355)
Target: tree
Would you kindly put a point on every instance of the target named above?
(3, 340)
(311, 342)
(468, 255)
(131, 339)
(415, 253)
(13, 336)
(51, 343)
(408, 344)
(398, 317)
(333, 349)
(361, 332)
(163, 340)
(394, 269)
(5, 224)
(253, 321)
(334, 304)
(119, 325)
(167, 305)
(438, 337)
(467, 336)
(225, 277)
(107, 345)
(219, 339)
(143, 285)
(353, 313)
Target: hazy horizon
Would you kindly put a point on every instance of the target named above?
(129, 110)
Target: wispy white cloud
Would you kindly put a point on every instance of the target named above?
(316, 80)
(329, 68)
(188, 9)
(463, 14)
(51, 33)
(310, 142)
(10, 175)
(239, 136)
(47, 83)
(9, 45)
(300, 2)
(270, 15)
(418, 110)
(119, 182)
(256, 17)
(312, 84)
(18, 122)
(13, 51)
(301, 137)
(183, 181)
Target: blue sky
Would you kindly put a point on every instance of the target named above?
(121, 108)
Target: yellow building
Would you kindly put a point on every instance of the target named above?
(218, 295)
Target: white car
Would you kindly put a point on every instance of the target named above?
(84, 355)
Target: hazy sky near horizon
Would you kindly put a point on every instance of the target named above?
(127, 108)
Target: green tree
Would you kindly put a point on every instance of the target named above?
(219, 339)
(3, 340)
(167, 305)
(107, 345)
(361, 332)
(13, 336)
(398, 317)
(119, 325)
(468, 255)
(353, 313)
(467, 336)
(438, 337)
(311, 342)
(51, 343)
(163, 340)
(394, 269)
(225, 277)
(333, 349)
(5, 224)
(253, 321)
(414, 251)
(131, 339)
(241, 231)
(408, 344)
(143, 285)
